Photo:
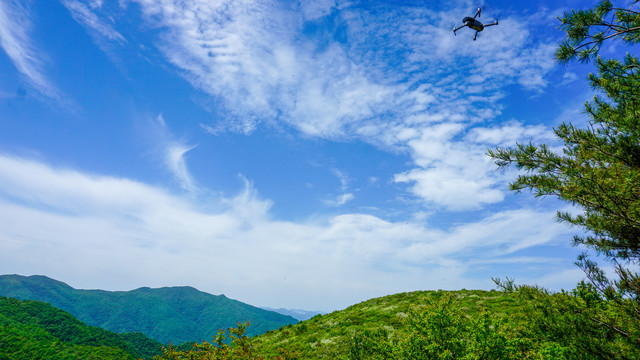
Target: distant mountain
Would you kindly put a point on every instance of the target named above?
(36, 330)
(295, 313)
(169, 314)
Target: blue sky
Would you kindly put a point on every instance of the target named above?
(300, 154)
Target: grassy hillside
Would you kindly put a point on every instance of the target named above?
(520, 323)
(172, 314)
(36, 330)
(331, 336)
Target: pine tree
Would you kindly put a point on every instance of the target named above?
(588, 29)
(599, 167)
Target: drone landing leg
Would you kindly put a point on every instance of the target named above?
(475, 35)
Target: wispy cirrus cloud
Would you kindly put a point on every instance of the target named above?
(92, 222)
(340, 199)
(85, 17)
(394, 77)
(396, 83)
(172, 152)
(175, 160)
(15, 39)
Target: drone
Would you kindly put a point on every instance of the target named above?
(474, 24)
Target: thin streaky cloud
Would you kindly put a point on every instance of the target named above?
(173, 153)
(176, 162)
(95, 4)
(15, 27)
(84, 16)
(340, 200)
(265, 71)
(343, 177)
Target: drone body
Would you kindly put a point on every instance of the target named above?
(474, 24)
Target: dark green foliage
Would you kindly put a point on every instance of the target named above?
(145, 347)
(240, 347)
(176, 314)
(588, 29)
(599, 172)
(580, 324)
(520, 323)
(599, 169)
(36, 330)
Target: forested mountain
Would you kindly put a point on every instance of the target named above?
(36, 330)
(170, 314)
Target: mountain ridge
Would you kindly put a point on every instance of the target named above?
(167, 314)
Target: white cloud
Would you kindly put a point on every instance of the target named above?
(95, 4)
(568, 78)
(509, 133)
(340, 199)
(313, 9)
(173, 153)
(343, 177)
(252, 56)
(177, 165)
(344, 196)
(450, 188)
(401, 78)
(125, 234)
(15, 27)
(85, 17)
(451, 166)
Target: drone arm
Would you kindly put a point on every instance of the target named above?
(491, 24)
(477, 13)
(458, 28)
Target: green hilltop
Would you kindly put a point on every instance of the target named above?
(36, 330)
(520, 322)
(169, 314)
(332, 336)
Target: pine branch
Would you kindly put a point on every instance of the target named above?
(607, 37)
